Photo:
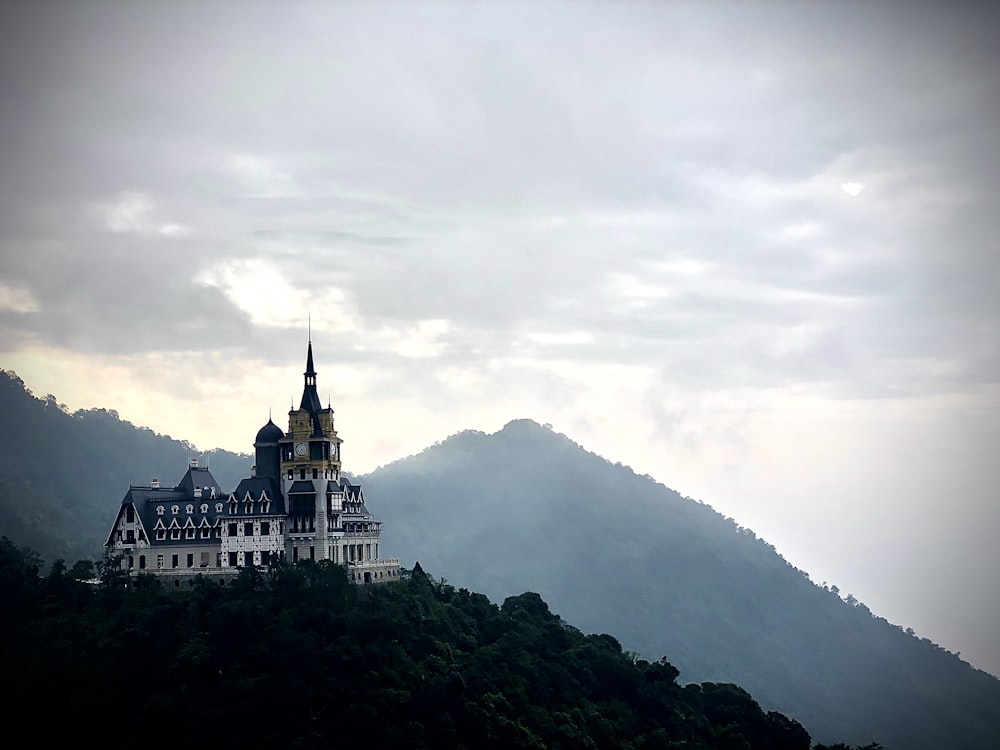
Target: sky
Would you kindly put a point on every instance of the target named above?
(749, 249)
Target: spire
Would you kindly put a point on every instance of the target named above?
(310, 398)
(310, 369)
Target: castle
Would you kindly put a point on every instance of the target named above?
(294, 506)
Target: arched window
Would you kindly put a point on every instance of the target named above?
(160, 510)
(175, 509)
(204, 507)
(189, 509)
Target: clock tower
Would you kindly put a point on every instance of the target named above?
(310, 469)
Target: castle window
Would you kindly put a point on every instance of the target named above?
(189, 532)
(160, 510)
(206, 532)
(248, 529)
(218, 507)
(265, 528)
(130, 537)
(175, 509)
(204, 507)
(175, 533)
(232, 508)
(266, 508)
(232, 530)
(159, 562)
(190, 560)
(302, 473)
(142, 562)
(204, 559)
(315, 473)
(232, 559)
(265, 558)
(289, 475)
(248, 558)
(161, 534)
(129, 513)
(131, 562)
(189, 509)
(174, 561)
(248, 509)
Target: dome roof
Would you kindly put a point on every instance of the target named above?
(269, 433)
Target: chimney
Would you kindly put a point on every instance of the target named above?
(155, 483)
(193, 463)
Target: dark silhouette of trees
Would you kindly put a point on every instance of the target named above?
(297, 656)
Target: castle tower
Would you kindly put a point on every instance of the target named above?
(267, 451)
(310, 472)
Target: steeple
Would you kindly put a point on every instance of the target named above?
(310, 398)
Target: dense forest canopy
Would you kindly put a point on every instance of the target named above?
(296, 656)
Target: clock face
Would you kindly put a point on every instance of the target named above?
(300, 449)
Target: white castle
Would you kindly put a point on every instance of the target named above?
(294, 506)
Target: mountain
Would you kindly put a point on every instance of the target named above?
(63, 475)
(528, 509)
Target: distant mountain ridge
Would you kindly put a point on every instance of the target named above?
(527, 509)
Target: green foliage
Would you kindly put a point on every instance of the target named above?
(294, 657)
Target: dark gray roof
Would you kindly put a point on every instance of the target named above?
(255, 486)
(269, 433)
(354, 499)
(198, 476)
(196, 481)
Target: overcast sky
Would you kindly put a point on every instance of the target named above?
(750, 249)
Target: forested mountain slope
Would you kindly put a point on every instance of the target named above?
(611, 551)
(62, 475)
(298, 657)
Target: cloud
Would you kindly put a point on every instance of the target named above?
(17, 299)
(136, 213)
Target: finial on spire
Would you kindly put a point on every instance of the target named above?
(310, 325)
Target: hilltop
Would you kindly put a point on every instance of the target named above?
(616, 552)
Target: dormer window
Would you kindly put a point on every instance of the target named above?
(248, 508)
(218, 507)
(160, 510)
(189, 509)
(175, 509)
(204, 507)
(232, 508)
